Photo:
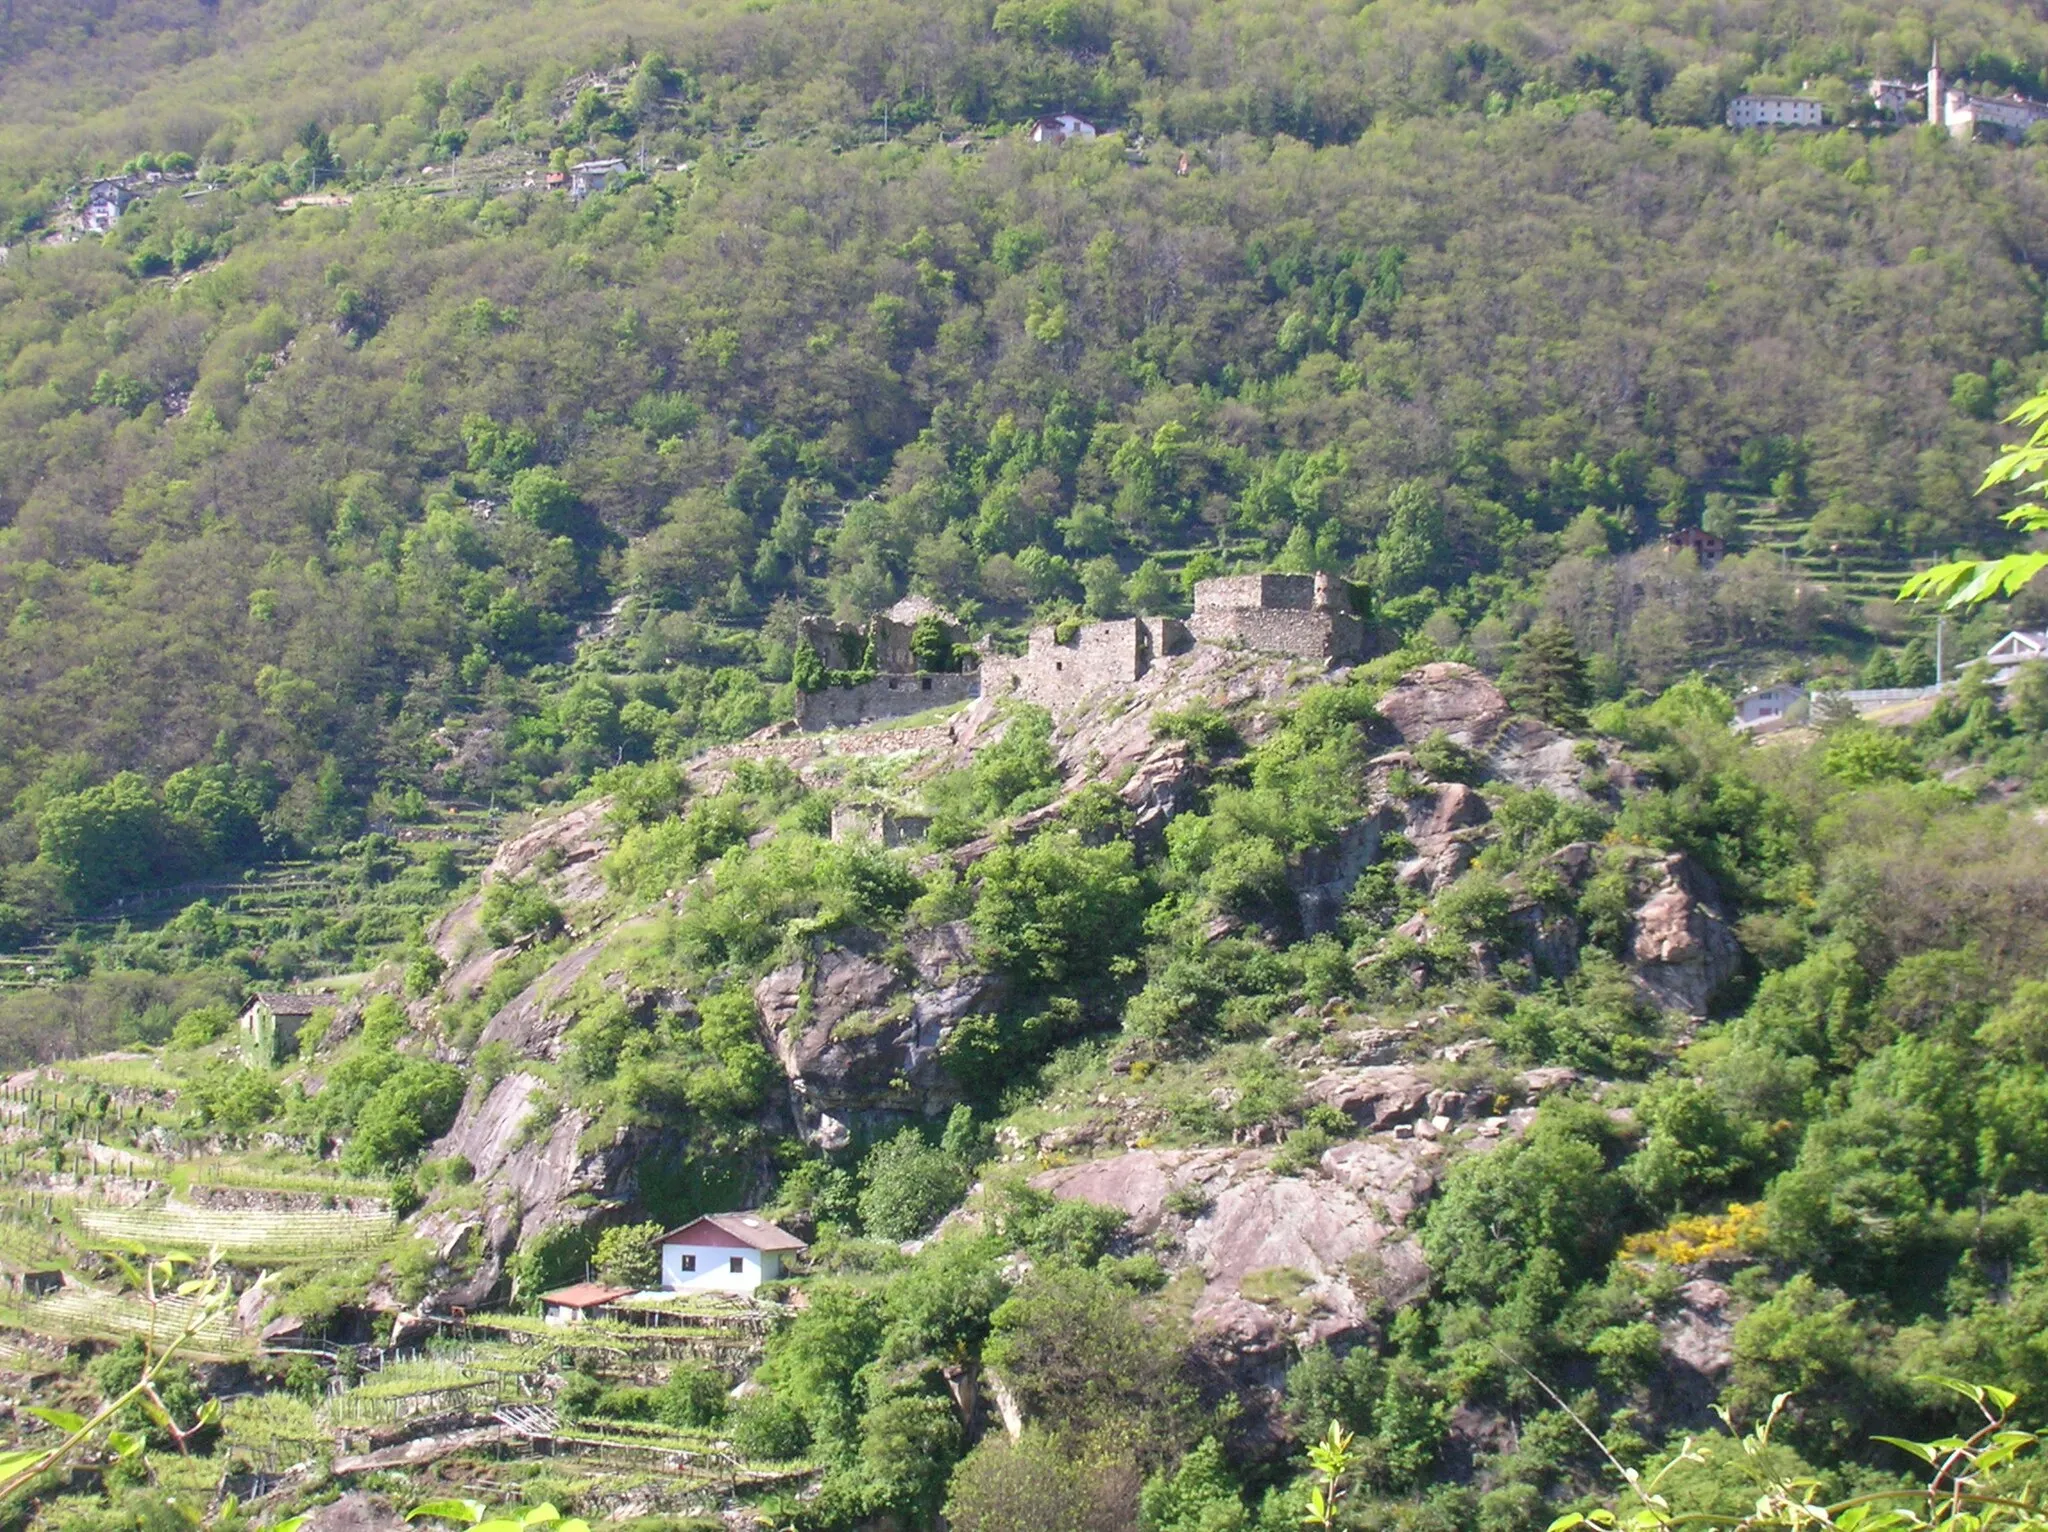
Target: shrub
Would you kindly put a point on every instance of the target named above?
(1200, 725)
(911, 1185)
(1446, 760)
(415, 1105)
(1054, 910)
(514, 909)
(693, 1398)
(769, 1429)
(203, 1025)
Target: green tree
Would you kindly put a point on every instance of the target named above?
(1053, 910)
(414, 1106)
(1548, 676)
(910, 1186)
(629, 1255)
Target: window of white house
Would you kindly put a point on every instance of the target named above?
(739, 1264)
(687, 1263)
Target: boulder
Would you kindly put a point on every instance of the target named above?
(1376, 1097)
(1327, 1255)
(1681, 945)
(1448, 697)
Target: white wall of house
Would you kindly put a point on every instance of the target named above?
(711, 1268)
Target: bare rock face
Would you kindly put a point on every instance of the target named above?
(858, 1037)
(538, 1173)
(1322, 879)
(1447, 829)
(1698, 1344)
(1681, 946)
(1316, 1258)
(532, 1023)
(565, 850)
(1446, 696)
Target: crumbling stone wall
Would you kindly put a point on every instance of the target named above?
(841, 645)
(841, 707)
(1309, 615)
(1100, 655)
(883, 823)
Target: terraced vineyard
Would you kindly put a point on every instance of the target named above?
(240, 1233)
(1854, 573)
(364, 902)
(85, 1311)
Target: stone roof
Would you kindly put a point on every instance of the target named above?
(296, 1005)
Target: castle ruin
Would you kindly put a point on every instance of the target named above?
(1306, 615)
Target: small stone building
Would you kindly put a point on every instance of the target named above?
(271, 1024)
(1308, 615)
(843, 645)
(883, 823)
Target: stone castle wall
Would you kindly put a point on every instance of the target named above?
(1100, 655)
(841, 707)
(1222, 592)
(1313, 634)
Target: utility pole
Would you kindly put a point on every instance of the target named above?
(1940, 633)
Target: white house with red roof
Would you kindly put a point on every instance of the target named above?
(724, 1253)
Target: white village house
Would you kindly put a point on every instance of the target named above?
(1767, 704)
(2017, 648)
(592, 176)
(724, 1253)
(1060, 127)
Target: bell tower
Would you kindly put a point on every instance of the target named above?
(1937, 102)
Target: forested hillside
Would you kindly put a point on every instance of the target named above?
(303, 508)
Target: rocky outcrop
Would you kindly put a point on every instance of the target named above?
(533, 1021)
(1460, 703)
(528, 1150)
(565, 851)
(1681, 945)
(1375, 1097)
(861, 1038)
(1315, 1258)
(1697, 1339)
(1322, 878)
(1447, 830)
(1448, 698)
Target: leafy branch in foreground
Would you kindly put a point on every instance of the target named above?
(1961, 1494)
(153, 1279)
(1970, 581)
(1331, 1460)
